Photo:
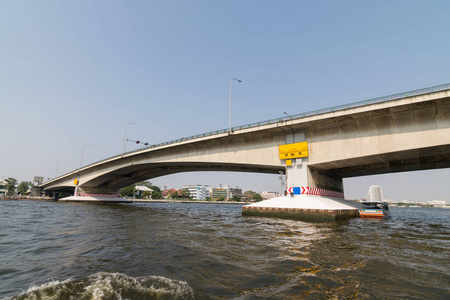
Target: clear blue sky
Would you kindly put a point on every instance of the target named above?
(75, 72)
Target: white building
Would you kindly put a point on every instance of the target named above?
(437, 203)
(197, 192)
(375, 193)
(3, 189)
(140, 189)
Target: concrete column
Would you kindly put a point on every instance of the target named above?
(296, 174)
(325, 180)
(299, 174)
(36, 191)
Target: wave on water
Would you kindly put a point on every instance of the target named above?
(110, 286)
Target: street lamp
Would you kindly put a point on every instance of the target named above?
(82, 152)
(124, 147)
(57, 166)
(238, 80)
(287, 115)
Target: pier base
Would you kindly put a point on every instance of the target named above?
(303, 207)
(102, 198)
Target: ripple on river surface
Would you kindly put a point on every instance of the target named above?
(212, 252)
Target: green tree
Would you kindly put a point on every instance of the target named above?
(172, 193)
(11, 184)
(208, 199)
(249, 194)
(185, 194)
(23, 187)
(146, 195)
(236, 198)
(128, 191)
(257, 197)
(221, 198)
(156, 194)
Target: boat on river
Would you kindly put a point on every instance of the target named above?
(374, 209)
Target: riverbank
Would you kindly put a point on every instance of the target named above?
(20, 198)
(27, 198)
(187, 201)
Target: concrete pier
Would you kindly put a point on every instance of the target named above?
(95, 198)
(303, 207)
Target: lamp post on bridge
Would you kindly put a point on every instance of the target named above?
(137, 142)
(238, 80)
(124, 147)
(82, 152)
(57, 166)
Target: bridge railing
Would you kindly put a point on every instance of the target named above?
(423, 91)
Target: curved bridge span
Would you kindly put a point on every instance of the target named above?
(402, 132)
(224, 152)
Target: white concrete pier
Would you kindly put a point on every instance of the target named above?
(304, 207)
(103, 198)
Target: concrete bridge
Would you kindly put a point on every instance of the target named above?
(402, 132)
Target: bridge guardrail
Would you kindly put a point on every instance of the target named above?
(422, 91)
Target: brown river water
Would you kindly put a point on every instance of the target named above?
(51, 250)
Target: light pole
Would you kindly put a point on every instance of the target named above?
(238, 80)
(82, 152)
(138, 142)
(287, 115)
(124, 147)
(57, 166)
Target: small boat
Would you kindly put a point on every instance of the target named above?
(374, 209)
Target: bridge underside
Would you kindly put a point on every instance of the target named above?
(410, 160)
(114, 181)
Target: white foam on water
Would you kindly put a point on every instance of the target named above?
(110, 286)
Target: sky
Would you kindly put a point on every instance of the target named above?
(74, 73)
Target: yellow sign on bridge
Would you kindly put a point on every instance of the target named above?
(295, 150)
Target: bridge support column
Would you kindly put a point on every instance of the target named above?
(325, 180)
(299, 174)
(297, 171)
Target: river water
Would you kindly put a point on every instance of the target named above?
(51, 250)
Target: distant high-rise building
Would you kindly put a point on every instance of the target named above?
(375, 193)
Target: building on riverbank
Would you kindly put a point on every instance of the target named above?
(437, 203)
(233, 192)
(197, 191)
(3, 189)
(226, 192)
